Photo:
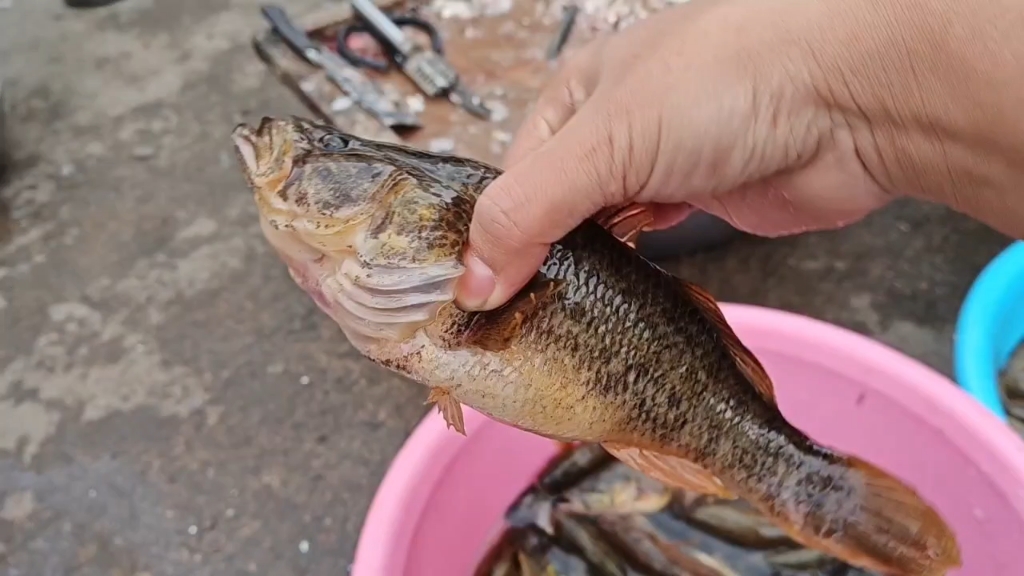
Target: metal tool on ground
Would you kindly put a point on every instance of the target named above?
(364, 92)
(89, 3)
(402, 21)
(426, 67)
(569, 14)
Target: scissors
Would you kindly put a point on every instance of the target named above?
(402, 21)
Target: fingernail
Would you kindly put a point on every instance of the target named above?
(476, 285)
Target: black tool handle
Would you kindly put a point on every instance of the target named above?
(295, 37)
(402, 21)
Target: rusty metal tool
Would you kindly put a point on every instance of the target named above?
(426, 67)
(364, 92)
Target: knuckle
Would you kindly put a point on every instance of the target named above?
(496, 212)
(574, 92)
(546, 121)
(632, 132)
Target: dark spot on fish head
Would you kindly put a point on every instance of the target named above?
(337, 178)
(336, 189)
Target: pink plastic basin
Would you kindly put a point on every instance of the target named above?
(441, 503)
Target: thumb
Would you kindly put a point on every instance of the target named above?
(542, 198)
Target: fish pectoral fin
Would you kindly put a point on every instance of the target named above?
(671, 470)
(449, 407)
(625, 221)
(498, 329)
(745, 359)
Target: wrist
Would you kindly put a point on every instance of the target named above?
(931, 92)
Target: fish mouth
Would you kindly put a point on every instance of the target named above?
(245, 139)
(249, 142)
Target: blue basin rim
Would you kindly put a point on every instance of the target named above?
(990, 327)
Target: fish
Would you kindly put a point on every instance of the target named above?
(735, 522)
(600, 346)
(502, 558)
(626, 497)
(614, 490)
(656, 552)
(1011, 378)
(573, 465)
(578, 533)
(805, 560)
(542, 555)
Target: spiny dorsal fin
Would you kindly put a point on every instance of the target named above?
(625, 221)
(745, 359)
(669, 469)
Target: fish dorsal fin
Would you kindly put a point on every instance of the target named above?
(625, 221)
(498, 329)
(669, 469)
(745, 359)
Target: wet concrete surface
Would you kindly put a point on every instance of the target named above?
(170, 404)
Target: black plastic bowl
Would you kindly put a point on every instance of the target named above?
(699, 232)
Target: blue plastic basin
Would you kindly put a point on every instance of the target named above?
(990, 327)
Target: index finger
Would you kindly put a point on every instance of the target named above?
(571, 86)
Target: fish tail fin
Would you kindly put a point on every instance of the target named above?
(908, 528)
(877, 522)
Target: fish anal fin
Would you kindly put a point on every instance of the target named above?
(625, 221)
(745, 359)
(671, 470)
(449, 408)
(498, 329)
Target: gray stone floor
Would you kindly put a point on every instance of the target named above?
(169, 403)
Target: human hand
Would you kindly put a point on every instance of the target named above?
(778, 116)
(711, 104)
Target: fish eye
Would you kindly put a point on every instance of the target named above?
(333, 143)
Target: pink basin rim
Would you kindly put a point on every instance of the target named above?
(424, 458)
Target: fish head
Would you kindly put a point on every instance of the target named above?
(309, 177)
(359, 221)
(336, 192)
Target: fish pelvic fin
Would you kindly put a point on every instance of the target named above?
(449, 407)
(893, 531)
(745, 359)
(671, 470)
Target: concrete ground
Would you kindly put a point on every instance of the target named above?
(170, 404)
